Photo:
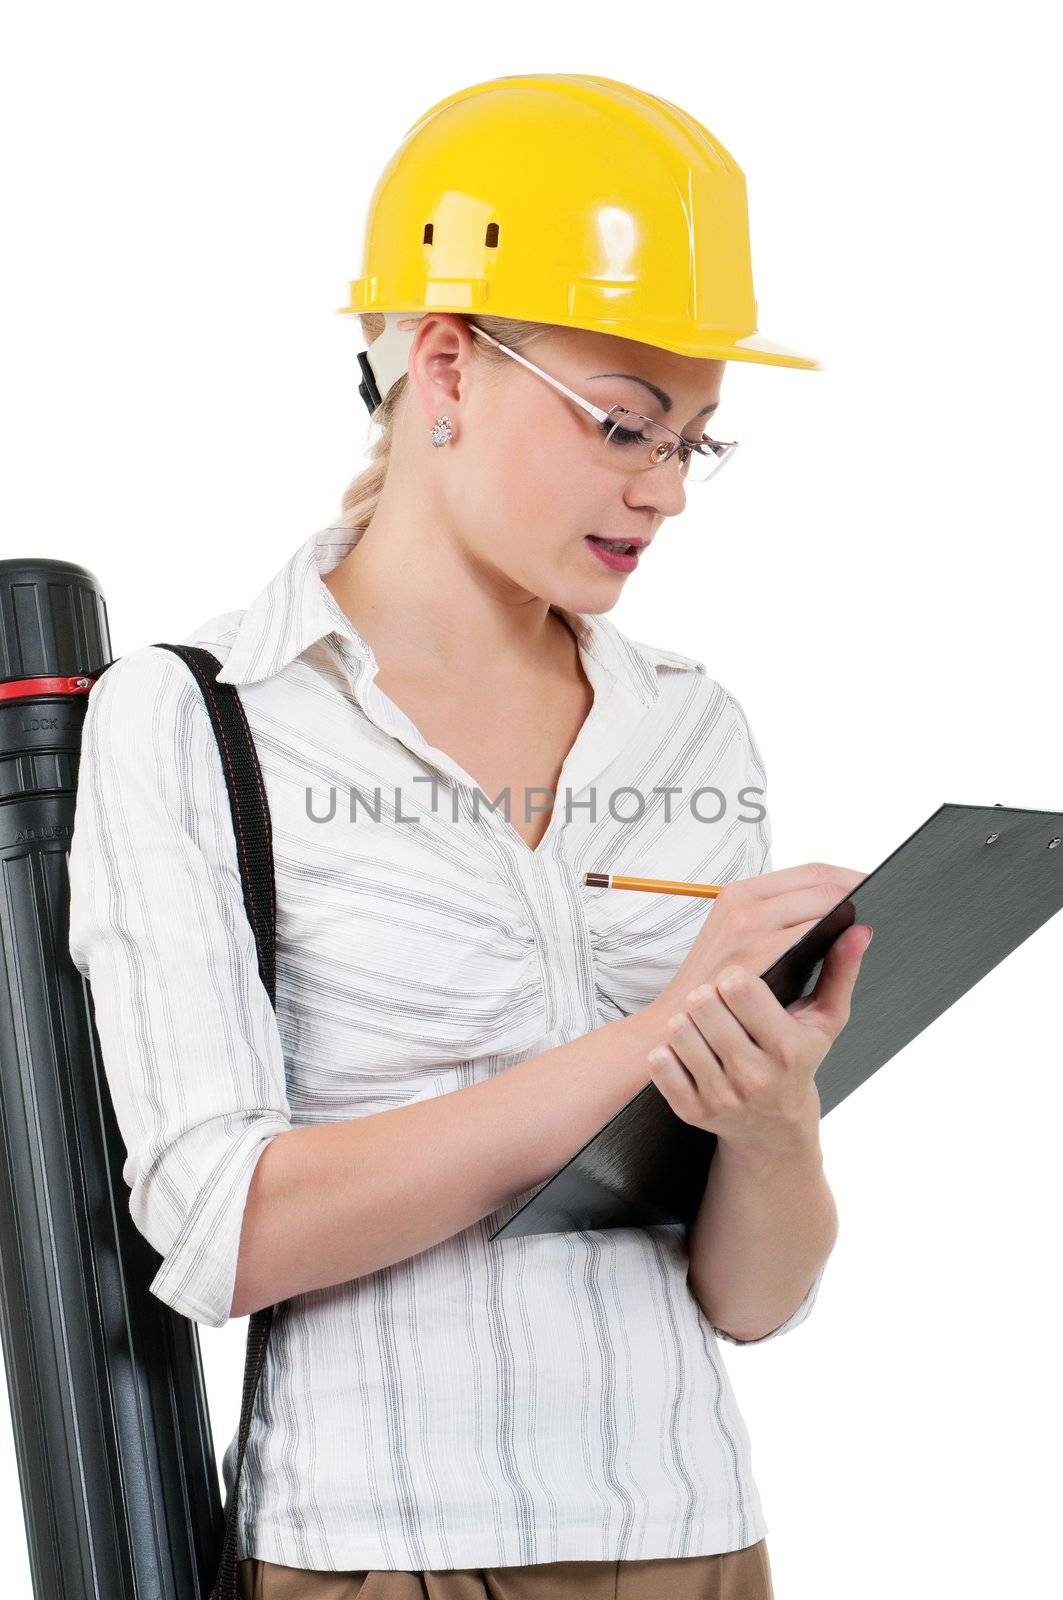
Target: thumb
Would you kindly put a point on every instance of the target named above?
(832, 997)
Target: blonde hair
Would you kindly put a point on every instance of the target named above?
(362, 493)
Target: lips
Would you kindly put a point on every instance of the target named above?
(623, 547)
(616, 559)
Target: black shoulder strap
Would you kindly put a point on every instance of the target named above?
(254, 844)
(247, 803)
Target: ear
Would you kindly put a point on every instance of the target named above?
(440, 357)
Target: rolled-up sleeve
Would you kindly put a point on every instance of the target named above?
(190, 1043)
(794, 1320)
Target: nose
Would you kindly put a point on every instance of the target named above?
(661, 487)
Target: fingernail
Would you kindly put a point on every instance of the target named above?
(870, 936)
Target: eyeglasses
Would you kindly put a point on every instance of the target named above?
(636, 441)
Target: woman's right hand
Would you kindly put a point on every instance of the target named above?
(753, 921)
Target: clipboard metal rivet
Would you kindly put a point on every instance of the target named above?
(1054, 844)
(993, 837)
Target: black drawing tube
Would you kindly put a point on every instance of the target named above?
(116, 1461)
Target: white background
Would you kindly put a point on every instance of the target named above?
(876, 576)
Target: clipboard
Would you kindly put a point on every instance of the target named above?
(951, 902)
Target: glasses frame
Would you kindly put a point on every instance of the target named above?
(705, 446)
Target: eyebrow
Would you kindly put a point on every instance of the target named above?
(663, 400)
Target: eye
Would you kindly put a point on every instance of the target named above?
(619, 435)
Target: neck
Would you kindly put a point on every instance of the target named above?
(426, 604)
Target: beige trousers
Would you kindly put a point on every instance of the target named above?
(731, 1575)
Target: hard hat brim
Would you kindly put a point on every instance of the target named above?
(712, 345)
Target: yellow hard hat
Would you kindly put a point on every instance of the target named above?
(570, 199)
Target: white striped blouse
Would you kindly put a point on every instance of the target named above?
(546, 1398)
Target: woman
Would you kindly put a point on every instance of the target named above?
(451, 734)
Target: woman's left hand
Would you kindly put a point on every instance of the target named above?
(742, 1066)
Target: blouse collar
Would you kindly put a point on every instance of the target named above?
(296, 609)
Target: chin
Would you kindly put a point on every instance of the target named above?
(589, 597)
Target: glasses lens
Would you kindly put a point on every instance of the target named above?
(707, 461)
(639, 443)
(630, 435)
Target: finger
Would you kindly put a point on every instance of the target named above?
(798, 908)
(809, 875)
(830, 1002)
(678, 1085)
(785, 919)
(762, 955)
(755, 1012)
(708, 1032)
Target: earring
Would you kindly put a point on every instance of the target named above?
(442, 431)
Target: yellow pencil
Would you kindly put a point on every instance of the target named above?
(614, 880)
